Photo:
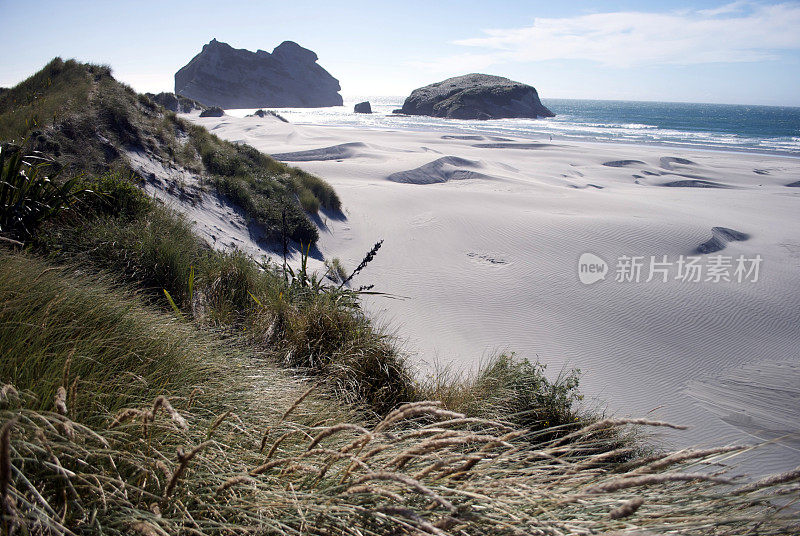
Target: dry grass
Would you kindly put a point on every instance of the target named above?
(176, 480)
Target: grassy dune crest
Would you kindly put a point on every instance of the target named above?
(79, 114)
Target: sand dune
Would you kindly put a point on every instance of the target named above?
(512, 145)
(754, 398)
(668, 162)
(464, 137)
(622, 163)
(490, 265)
(336, 152)
(720, 236)
(694, 183)
(449, 168)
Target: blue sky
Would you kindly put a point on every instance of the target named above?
(701, 51)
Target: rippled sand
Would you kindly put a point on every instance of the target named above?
(482, 238)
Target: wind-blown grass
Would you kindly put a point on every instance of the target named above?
(59, 327)
(242, 462)
(55, 91)
(118, 418)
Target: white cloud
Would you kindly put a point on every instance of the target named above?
(736, 32)
(733, 7)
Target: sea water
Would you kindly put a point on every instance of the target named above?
(727, 127)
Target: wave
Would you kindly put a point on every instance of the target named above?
(634, 126)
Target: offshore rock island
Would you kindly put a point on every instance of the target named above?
(290, 77)
(476, 96)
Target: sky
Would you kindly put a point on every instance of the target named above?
(744, 52)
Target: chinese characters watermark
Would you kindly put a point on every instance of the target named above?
(661, 269)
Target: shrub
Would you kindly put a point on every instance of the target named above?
(308, 201)
(116, 195)
(514, 389)
(29, 194)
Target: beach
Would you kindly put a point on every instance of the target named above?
(482, 240)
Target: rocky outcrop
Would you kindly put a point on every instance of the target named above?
(268, 113)
(175, 103)
(363, 108)
(476, 96)
(214, 111)
(289, 77)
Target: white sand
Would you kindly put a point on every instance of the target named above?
(487, 257)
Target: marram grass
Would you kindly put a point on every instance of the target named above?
(166, 431)
(421, 470)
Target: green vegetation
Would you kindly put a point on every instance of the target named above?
(336, 270)
(92, 123)
(139, 424)
(55, 323)
(151, 385)
(513, 389)
(45, 98)
(27, 195)
(297, 320)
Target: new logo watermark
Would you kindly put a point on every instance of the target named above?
(591, 268)
(684, 268)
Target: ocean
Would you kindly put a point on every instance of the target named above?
(726, 127)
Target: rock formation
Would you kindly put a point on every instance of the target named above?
(214, 111)
(175, 103)
(268, 113)
(363, 108)
(223, 76)
(476, 96)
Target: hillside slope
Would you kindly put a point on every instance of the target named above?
(79, 114)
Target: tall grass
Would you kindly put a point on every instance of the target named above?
(297, 321)
(508, 387)
(48, 96)
(263, 466)
(118, 418)
(59, 327)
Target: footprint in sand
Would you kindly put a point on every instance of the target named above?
(485, 258)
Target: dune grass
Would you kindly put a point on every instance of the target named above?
(318, 329)
(118, 417)
(249, 450)
(336, 270)
(59, 327)
(80, 114)
(44, 98)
